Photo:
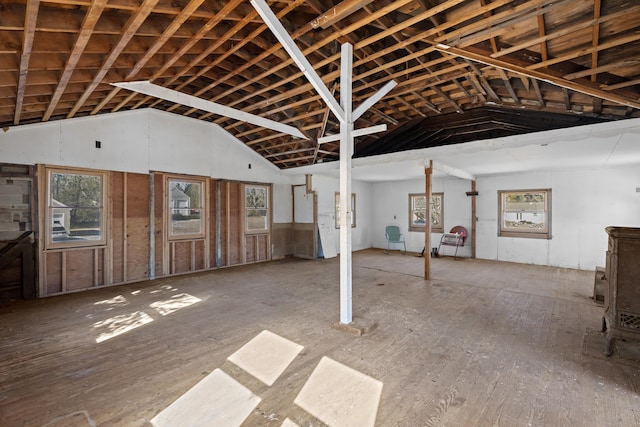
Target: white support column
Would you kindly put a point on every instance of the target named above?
(346, 152)
(345, 114)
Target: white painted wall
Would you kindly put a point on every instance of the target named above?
(282, 204)
(146, 140)
(326, 187)
(584, 202)
(124, 138)
(138, 141)
(391, 207)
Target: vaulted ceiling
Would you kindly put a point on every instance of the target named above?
(494, 65)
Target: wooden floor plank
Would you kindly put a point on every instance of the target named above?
(483, 343)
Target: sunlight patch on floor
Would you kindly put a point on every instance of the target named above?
(340, 396)
(117, 301)
(217, 400)
(266, 356)
(175, 303)
(121, 324)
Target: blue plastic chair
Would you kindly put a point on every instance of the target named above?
(393, 235)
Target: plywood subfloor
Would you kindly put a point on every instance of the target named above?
(482, 344)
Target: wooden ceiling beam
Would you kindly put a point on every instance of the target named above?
(396, 28)
(479, 29)
(536, 88)
(214, 20)
(576, 53)
(546, 75)
(284, 153)
(88, 24)
(426, 102)
(31, 16)
(447, 99)
(132, 7)
(531, 13)
(169, 31)
(260, 57)
(567, 99)
(128, 32)
(317, 46)
(353, 27)
(509, 87)
(621, 85)
(595, 38)
(338, 12)
(543, 38)
(630, 62)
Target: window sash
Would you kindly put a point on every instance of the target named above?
(75, 208)
(256, 208)
(416, 212)
(186, 208)
(528, 214)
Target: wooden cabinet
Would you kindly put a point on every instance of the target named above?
(622, 295)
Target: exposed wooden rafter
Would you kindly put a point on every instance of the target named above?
(31, 16)
(558, 56)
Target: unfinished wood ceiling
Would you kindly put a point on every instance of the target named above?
(58, 57)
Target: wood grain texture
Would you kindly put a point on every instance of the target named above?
(483, 343)
(137, 226)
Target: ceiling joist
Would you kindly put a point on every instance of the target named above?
(452, 59)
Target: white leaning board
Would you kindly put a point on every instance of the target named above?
(325, 228)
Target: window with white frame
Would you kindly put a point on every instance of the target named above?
(418, 212)
(186, 208)
(525, 213)
(256, 208)
(353, 209)
(75, 208)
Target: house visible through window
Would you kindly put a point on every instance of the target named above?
(75, 208)
(418, 212)
(256, 205)
(186, 208)
(353, 209)
(525, 213)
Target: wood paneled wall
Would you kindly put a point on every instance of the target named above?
(136, 228)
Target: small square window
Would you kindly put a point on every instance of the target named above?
(418, 212)
(525, 213)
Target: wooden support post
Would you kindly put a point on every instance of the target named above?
(218, 224)
(473, 220)
(152, 226)
(125, 258)
(428, 172)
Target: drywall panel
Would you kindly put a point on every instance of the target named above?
(583, 203)
(123, 142)
(180, 145)
(232, 159)
(282, 203)
(303, 206)
(139, 141)
(31, 144)
(123, 137)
